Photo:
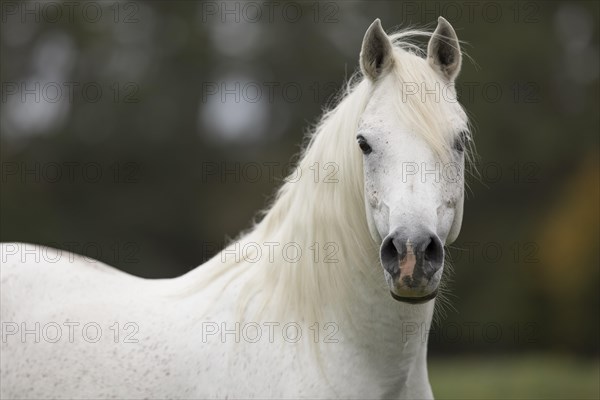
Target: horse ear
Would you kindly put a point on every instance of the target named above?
(443, 50)
(376, 53)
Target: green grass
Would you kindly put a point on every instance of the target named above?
(515, 377)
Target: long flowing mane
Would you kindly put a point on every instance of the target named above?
(325, 218)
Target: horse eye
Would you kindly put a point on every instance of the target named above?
(364, 146)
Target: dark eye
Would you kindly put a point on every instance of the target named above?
(460, 141)
(364, 146)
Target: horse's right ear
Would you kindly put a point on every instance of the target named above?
(376, 53)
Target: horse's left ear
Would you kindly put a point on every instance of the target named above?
(443, 50)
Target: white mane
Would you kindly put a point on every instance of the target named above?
(319, 213)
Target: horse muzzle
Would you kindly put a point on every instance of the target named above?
(413, 266)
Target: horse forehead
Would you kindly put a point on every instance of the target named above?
(391, 132)
(384, 111)
(381, 118)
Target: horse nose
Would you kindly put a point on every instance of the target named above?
(413, 256)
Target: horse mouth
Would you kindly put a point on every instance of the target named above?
(414, 300)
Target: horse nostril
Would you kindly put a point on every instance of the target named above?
(389, 252)
(434, 251)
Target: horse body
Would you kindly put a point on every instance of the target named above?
(166, 356)
(265, 324)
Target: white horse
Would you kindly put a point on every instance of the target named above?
(299, 306)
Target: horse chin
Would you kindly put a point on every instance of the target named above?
(414, 300)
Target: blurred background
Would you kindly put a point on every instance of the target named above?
(145, 134)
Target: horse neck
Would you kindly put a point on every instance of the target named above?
(323, 206)
(352, 291)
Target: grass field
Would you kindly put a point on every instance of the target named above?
(515, 377)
